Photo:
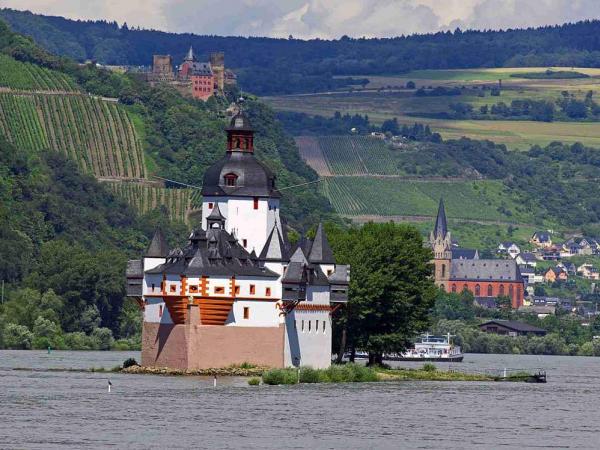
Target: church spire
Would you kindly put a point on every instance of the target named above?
(190, 55)
(441, 227)
(158, 248)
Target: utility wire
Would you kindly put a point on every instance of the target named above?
(198, 187)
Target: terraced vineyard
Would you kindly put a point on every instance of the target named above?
(98, 135)
(311, 153)
(472, 200)
(24, 76)
(356, 155)
(146, 197)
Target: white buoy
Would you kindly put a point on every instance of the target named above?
(109, 385)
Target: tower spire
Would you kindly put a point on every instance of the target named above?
(441, 227)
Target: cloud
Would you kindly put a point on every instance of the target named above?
(318, 18)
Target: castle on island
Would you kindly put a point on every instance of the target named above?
(192, 78)
(238, 291)
(458, 269)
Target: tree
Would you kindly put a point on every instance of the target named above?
(103, 338)
(17, 337)
(391, 289)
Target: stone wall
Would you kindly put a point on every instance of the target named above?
(188, 346)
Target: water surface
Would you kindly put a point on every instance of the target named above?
(46, 409)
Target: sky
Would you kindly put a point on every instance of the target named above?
(327, 19)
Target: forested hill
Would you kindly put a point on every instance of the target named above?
(269, 66)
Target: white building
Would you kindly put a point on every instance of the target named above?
(238, 292)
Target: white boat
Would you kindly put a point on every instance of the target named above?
(431, 348)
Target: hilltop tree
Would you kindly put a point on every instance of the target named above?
(391, 289)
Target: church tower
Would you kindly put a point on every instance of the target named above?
(243, 188)
(441, 244)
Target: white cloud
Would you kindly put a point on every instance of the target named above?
(318, 18)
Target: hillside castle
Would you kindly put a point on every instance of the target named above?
(238, 292)
(458, 269)
(193, 78)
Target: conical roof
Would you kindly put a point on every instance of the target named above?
(216, 214)
(320, 251)
(158, 247)
(190, 55)
(275, 248)
(441, 227)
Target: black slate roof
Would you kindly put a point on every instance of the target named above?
(464, 253)
(158, 247)
(276, 248)
(515, 326)
(254, 179)
(214, 252)
(320, 250)
(485, 270)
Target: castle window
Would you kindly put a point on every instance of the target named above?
(443, 270)
(477, 290)
(193, 288)
(501, 290)
(246, 312)
(252, 289)
(268, 292)
(173, 288)
(302, 326)
(219, 290)
(230, 179)
(245, 242)
(309, 325)
(237, 289)
(329, 272)
(316, 326)
(453, 288)
(210, 205)
(255, 202)
(324, 327)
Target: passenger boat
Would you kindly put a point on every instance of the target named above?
(431, 348)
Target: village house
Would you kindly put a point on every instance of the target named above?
(551, 253)
(568, 267)
(509, 248)
(484, 278)
(584, 246)
(555, 274)
(528, 274)
(541, 239)
(588, 271)
(526, 259)
(238, 292)
(511, 328)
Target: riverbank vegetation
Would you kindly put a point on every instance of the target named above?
(566, 335)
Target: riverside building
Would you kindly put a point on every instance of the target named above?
(238, 292)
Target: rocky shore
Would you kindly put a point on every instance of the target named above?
(225, 371)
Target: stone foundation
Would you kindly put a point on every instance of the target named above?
(188, 346)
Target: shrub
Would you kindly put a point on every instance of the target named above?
(103, 338)
(361, 374)
(130, 362)
(254, 381)
(310, 375)
(429, 367)
(17, 337)
(280, 376)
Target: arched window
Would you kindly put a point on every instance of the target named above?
(477, 290)
(453, 288)
(230, 179)
(501, 290)
(490, 290)
(443, 270)
(511, 291)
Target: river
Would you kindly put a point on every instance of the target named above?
(45, 409)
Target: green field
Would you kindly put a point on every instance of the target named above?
(470, 200)
(98, 135)
(24, 76)
(355, 155)
(403, 104)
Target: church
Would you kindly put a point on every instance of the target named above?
(238, 292)
(459, 269)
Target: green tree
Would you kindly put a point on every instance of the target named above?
(17, 337)
(103, 338)
(391, 289)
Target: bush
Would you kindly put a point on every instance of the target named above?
(17, 337)
(310, 375)
(254, 381)
(280, 376)
(429, 367)
(129, 362)
(103, 338)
